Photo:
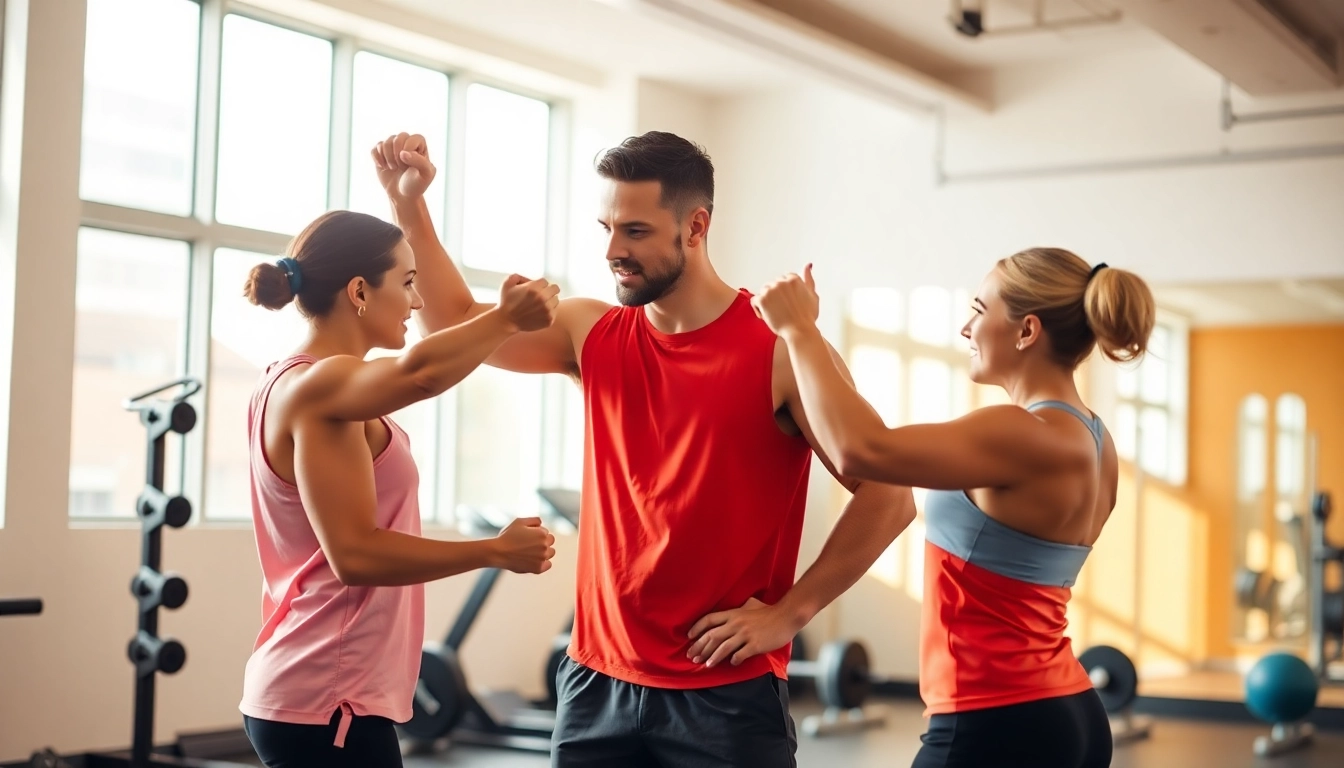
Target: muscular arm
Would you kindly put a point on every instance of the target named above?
(990, 447)
(448, 301)
(335, 478)
(347, 388)
(874, 516)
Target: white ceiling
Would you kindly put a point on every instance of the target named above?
(603, 34)
(1287, 302)
(902, 48)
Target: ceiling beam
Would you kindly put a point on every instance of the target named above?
(1245, 41)
(796, 44)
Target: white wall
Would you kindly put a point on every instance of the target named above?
(825, 176)
(666, 107)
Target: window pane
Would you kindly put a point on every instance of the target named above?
(1127, 381)
(571, 465)
(1126, 422)
(877, 376)
(961, 393)
(244, 339)
(931, 315)
(1153, 441)
(1153, 377)
(1159, 342)
(390, 97)
(877, 308)
(930, 391)
(1290, 451)
(130, 322)
(499, 441)
(506, 177)
(139, 126)
(960, 314)
(274, 126)
(1254, 454)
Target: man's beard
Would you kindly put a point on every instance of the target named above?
(655, 285)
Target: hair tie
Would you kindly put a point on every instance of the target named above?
(1094, 272)
(291, 269)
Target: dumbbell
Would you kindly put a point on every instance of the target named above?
(150, 654)
(153, 588)
(840, 674)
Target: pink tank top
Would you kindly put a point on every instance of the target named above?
(324, 646)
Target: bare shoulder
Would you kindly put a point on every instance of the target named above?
(580, 314)
(576, 317)
(311, 383)
(1110, 467)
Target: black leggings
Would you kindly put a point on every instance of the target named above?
(1064, 732)
(371, 742)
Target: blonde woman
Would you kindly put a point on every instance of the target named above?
(1018, 495)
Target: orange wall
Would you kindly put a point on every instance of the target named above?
(1226, 365)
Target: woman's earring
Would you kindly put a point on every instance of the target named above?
(361, 313)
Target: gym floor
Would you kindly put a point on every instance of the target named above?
(1172, 744)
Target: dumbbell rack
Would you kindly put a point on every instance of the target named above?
(151, 588)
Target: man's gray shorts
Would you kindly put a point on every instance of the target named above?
(602, 722)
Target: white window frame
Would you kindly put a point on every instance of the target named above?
(204, 235)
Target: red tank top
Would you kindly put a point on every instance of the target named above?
(693, 498)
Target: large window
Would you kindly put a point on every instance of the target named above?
(1150, 413)
(212, 135)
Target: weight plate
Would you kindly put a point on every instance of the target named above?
(842, 674)
(440, 698)
(1122, 679)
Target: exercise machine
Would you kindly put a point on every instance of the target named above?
(843, 681)
(1116, 681)
(444, 705)
(1327, 606)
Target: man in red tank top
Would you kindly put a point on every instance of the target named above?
(696, 462)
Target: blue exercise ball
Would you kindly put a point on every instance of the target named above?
(1281, 688)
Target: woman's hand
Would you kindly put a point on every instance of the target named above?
(789, 304)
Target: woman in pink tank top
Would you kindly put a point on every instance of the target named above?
(334, 492)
